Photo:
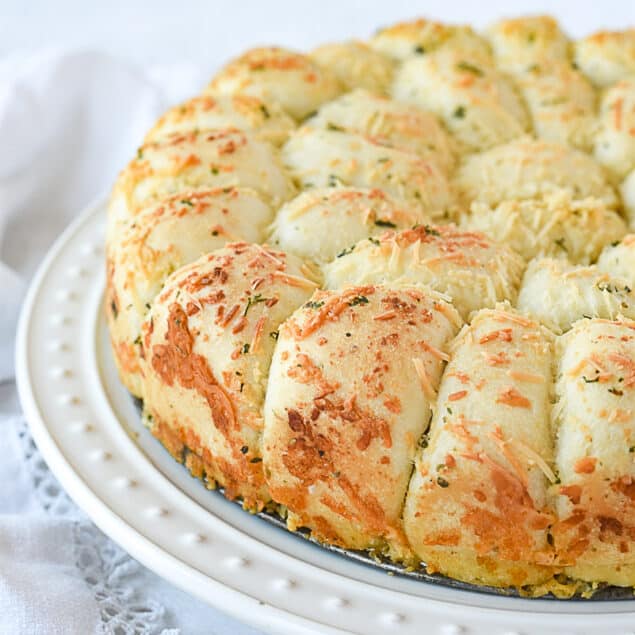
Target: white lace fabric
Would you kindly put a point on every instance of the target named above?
(107, 570)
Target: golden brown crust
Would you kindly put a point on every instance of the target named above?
(344, 409)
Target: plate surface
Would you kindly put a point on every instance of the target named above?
(88, 430)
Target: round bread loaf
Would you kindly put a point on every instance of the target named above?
(322, 378)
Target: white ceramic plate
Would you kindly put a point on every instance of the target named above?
(88, 430)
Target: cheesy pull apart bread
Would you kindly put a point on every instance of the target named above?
(472, 270)
(327, 158)
(199, 158)
(352, 381)
(292, 80)
(477, 507)
(345, 215)
(385, 290)
(268, 122)
(558, 293)
(207, 347)
(556, 225)
(595, 423)
(161, 239)
(390, 123)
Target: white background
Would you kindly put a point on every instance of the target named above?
(160, 31)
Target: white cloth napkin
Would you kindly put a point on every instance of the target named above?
(68, 122)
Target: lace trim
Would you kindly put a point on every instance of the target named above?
(106, 569)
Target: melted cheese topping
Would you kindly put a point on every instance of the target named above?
(481, 480)
(472, 270)
(160, 240)
(344, 412)
(557, 226)
(207, 345)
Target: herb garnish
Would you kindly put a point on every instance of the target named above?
(357, 300)
(470, 68)
(256, 299)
